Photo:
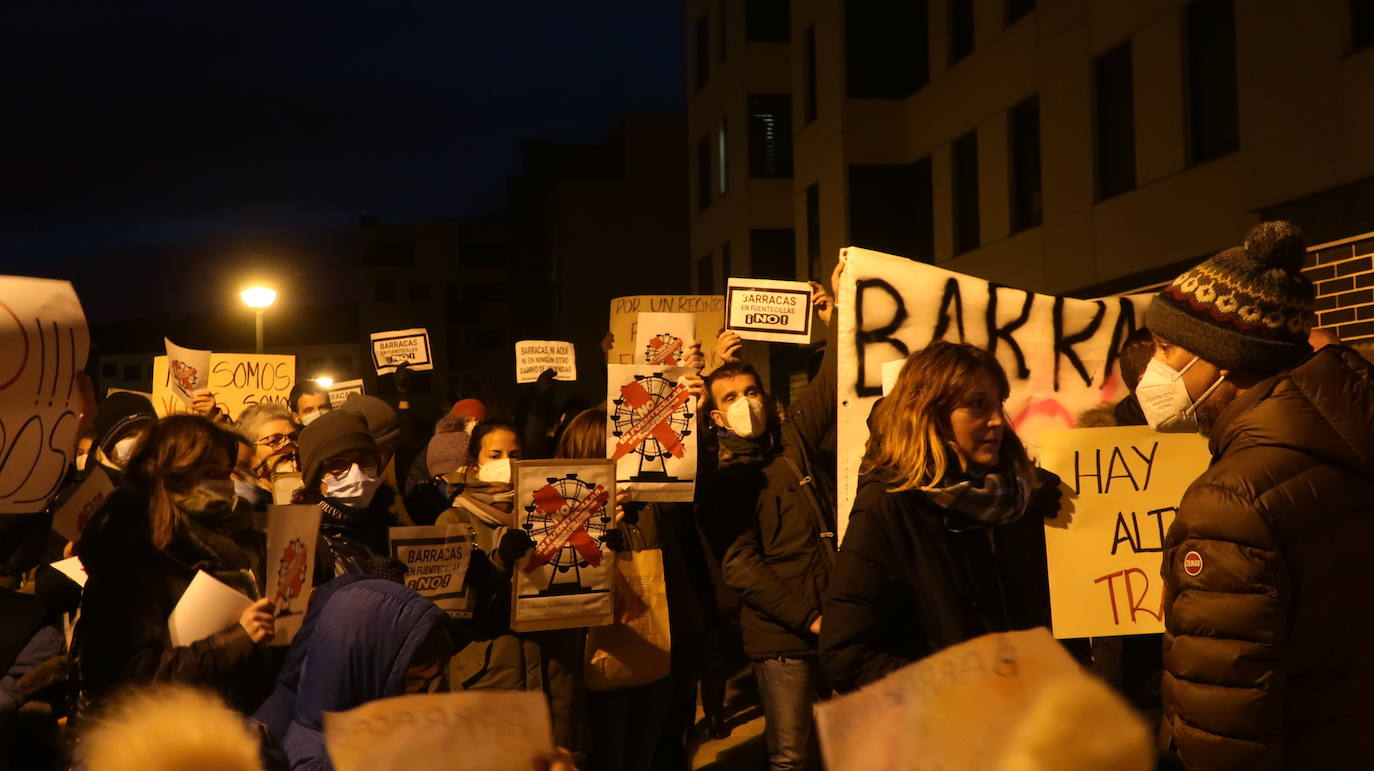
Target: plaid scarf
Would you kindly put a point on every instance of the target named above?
(996, 499)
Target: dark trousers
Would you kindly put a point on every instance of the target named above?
(788, 688)
(628, 722)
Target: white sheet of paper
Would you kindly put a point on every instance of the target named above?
(651, 432)
(73, 513)
(206, 607)
(769, 310)
(292, 535)
(891, 369)
(391, 348)
(189, 369)
(461, 731)
(72, 568)
(532, 357)
(661, 338)
(284, 486)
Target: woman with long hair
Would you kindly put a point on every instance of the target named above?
(943, 544)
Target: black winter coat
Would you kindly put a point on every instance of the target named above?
(1269, 617)
(913, 578)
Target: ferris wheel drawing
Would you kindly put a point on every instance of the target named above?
(651, 418)
(567, 519)
(663, 348)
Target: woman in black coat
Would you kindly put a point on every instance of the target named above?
(943, 544)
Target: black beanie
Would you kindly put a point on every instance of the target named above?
(120, 413)
(329, 436)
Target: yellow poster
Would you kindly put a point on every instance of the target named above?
(1122, 487)
(236, 379)
(709, 310)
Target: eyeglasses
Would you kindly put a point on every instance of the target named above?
(276, 440)
(340, 470)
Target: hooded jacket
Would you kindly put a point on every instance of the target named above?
(1269, 641)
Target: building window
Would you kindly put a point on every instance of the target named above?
(722, 156)
(767, 21)
(703, 173)
(966, 235)
(1213, 114)
(960, 29)
(703, 55)
(384, 292)
(809, 104)
(133, 372)
(724, 264)
(1115, 122)
(706, 275)
(720, 30)
(813, 229)
(108, 370)
(1361, 24)
(770, 135)
(773, 253)
(890, 208)
(1026, 201)
(419, 292)
(1015, 9)
(887, 49)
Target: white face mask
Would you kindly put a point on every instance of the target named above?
(310, 417)
(496, 471)
(1164, 398)
(354, 489)
(747, 417)
(123, 450)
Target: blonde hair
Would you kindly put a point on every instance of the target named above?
(169, 728)
(910, 433)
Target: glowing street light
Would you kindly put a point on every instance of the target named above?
(259, 298)
(325, 380)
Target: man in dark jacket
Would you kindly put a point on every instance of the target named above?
(1269, 629)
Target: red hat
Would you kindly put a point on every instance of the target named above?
(469, 408)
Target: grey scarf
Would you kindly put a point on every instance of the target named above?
(998, 498)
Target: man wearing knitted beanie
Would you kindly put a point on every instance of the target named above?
(1269, 617)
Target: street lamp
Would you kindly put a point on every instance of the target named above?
(258, 298)
(325, 380)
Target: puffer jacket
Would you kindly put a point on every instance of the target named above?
(1269, 642)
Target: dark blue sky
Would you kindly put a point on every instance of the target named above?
(140, 132)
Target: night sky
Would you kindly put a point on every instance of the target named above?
(185, 145)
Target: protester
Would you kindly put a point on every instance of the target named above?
(1267, 641)
(308, 400)
(390, 432)
(272, 430)
(120, 421)
(175, 516)
(426, 492)
(168, 728)
(944, 543)
(1133, 357)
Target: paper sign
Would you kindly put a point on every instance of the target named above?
(391, 348)
(73, 512)
(709, 311)
(651, 432)
(73, 569)
(292, 535)
(1122, 487)
(285, 485)
(1059, 353)
(238, 381)
(768, 310)
(661, 339)
(532, 357)
(436, 559)
(189, 369)
(207, 606)
(339, 392)
(43, 345)
(568, 580)
(485, 730)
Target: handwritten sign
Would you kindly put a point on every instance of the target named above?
(460, 731)
(1060, 354)
(339, 392)
(403, 345)
(292, 535)
(76, 509)
(651, 432)
(1123, 485)
(238, 381)
(189, 369)
(568, 580)
(709, 311)
(436, 559)
(532, 357)
(768, 310)
(43, 345)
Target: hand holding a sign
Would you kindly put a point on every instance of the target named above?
(259, 621)
(695, 385)
(202, 402)
(728, 345)
(694, 358)
(821, 302)
(1045, 499)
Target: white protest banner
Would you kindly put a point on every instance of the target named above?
(1060, 354)
(402, 345)
(958, 709)
(1122, 487)
(486, 730)
(72, 568)
(436, 559)
(709, 310)
(768, 310)
(238, 381)
(651, 432)
(73, 511)
(568, 580)
(207, 606)
(339, 392)
(661, 339)
(292, 535)
(43, 346)
(532, 357)
(189, 369)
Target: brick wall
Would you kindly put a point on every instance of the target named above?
(1344, 276)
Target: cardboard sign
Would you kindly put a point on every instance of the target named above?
(768, 310)
(292, 535)
(73, 512)
(1122, 487)
(651, 432)
(72, 568)
(661, 339)
(43, 345)
(1060, 354)
(189, 370)
(436, 559)
(485, 730)
(339, 392)
(532, 357)
(709, 311)
(568, 580)
(409, 345)
(238, 381)
(207, 606)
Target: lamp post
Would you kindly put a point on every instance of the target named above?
(258, 298)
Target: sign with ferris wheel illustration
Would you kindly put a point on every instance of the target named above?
(567, 581)
(651, 432)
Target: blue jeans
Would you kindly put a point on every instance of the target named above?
(788, 688)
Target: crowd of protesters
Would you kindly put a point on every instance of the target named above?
(1267, 659)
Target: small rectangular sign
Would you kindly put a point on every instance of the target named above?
(768, 310)
(409, 345)
(339, 392)
(532, 357)
(73, 512)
